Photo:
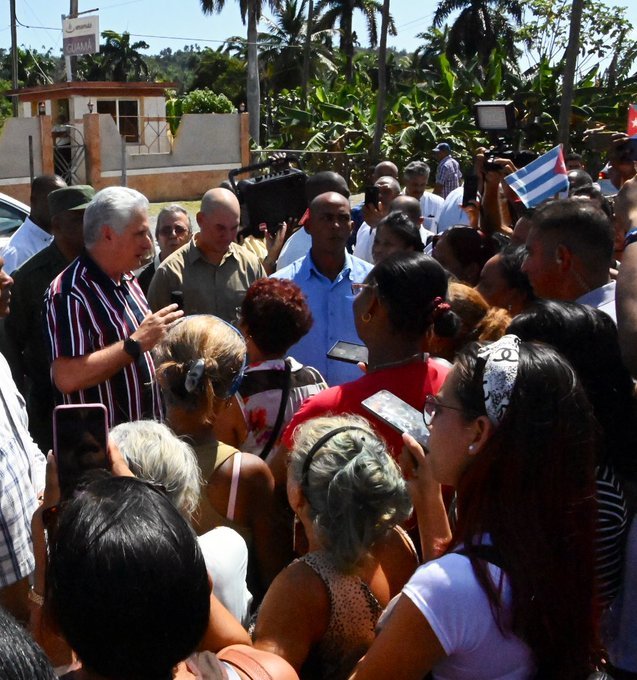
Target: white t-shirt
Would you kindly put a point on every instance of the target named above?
(226, 556)
(452, 212)
(448, 595)
(431, 207)
(297, 246)
(364, 242)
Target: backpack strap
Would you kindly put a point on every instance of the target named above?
(245, 663)
(285, 393)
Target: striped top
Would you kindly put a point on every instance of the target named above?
(612, 523)
(85, 311)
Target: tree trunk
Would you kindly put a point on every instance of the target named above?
(570, 63)
(253, 89)
(347, 44)
(306, 49)
(382, 84)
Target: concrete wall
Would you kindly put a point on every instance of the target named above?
(205, 148)
(15, 178)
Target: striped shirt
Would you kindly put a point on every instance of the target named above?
(85, 311)
(612, 522)
(448, 175)
(22, 468)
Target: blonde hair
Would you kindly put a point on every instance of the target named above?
(222, 351)
(355, 491)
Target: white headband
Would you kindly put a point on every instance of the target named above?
(500, 371)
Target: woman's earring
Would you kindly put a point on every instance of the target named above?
(366, 318)
(472, 448)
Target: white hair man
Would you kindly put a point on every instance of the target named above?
(100, 330)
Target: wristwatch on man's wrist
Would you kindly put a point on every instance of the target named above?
(132, 348)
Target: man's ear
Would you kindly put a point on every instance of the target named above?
(108, 232)
(199, 217)
(563, 257)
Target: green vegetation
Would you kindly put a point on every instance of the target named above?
(317, 90)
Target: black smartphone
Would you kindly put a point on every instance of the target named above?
(470, 188)
(398, 414)
(372, 196)
(80, 442)
(350, 352)
(177, 298)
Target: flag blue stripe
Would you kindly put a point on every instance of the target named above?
(538, 180)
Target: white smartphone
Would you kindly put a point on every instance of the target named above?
(398, 414)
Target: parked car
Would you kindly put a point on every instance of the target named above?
(12, 215)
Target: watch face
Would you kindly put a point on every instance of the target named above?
(132, 347)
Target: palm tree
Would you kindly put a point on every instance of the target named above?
(251, 9)
(570, 63)
(479, 27)
(121, 61)
(284, 43)
(382, 84)
(341, 12)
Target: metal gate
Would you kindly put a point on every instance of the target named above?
(69, 154)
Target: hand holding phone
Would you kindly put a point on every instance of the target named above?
(398, 414)
(372, 196)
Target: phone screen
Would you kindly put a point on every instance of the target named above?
(372, 195)
(398, 414)
(80, 436)
(349, 352)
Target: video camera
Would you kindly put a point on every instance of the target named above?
(505, 151)
(274, 197)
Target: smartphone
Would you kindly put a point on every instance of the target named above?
(372, 196)
(80, 442)
(177, 298)
(350, 352)
(398, 414)
(470, 187)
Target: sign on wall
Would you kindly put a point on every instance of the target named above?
(81, 36)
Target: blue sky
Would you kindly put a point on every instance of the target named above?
(182, 23)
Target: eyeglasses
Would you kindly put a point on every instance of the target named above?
(432, 404)
(167, 231)
(358, 287)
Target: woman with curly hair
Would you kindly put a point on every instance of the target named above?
(274, 316)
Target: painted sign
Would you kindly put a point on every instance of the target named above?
(81, 36)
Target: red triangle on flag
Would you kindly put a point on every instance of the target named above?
(632, 120)
(560, 165)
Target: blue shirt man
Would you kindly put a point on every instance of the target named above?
(325, 275)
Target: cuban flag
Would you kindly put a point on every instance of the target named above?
(632, 121)
(541, 179)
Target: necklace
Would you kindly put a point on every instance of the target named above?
(419, 355)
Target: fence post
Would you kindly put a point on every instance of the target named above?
(124, 162)
(31, 166)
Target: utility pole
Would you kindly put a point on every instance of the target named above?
(14, 57)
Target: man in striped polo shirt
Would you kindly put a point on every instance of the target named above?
(98, 326)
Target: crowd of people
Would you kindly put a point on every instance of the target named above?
(257, 518)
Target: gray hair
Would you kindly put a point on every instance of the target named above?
(172, 210)
(154, 453)
(355, 491)
(416, 168)
(115, 206)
